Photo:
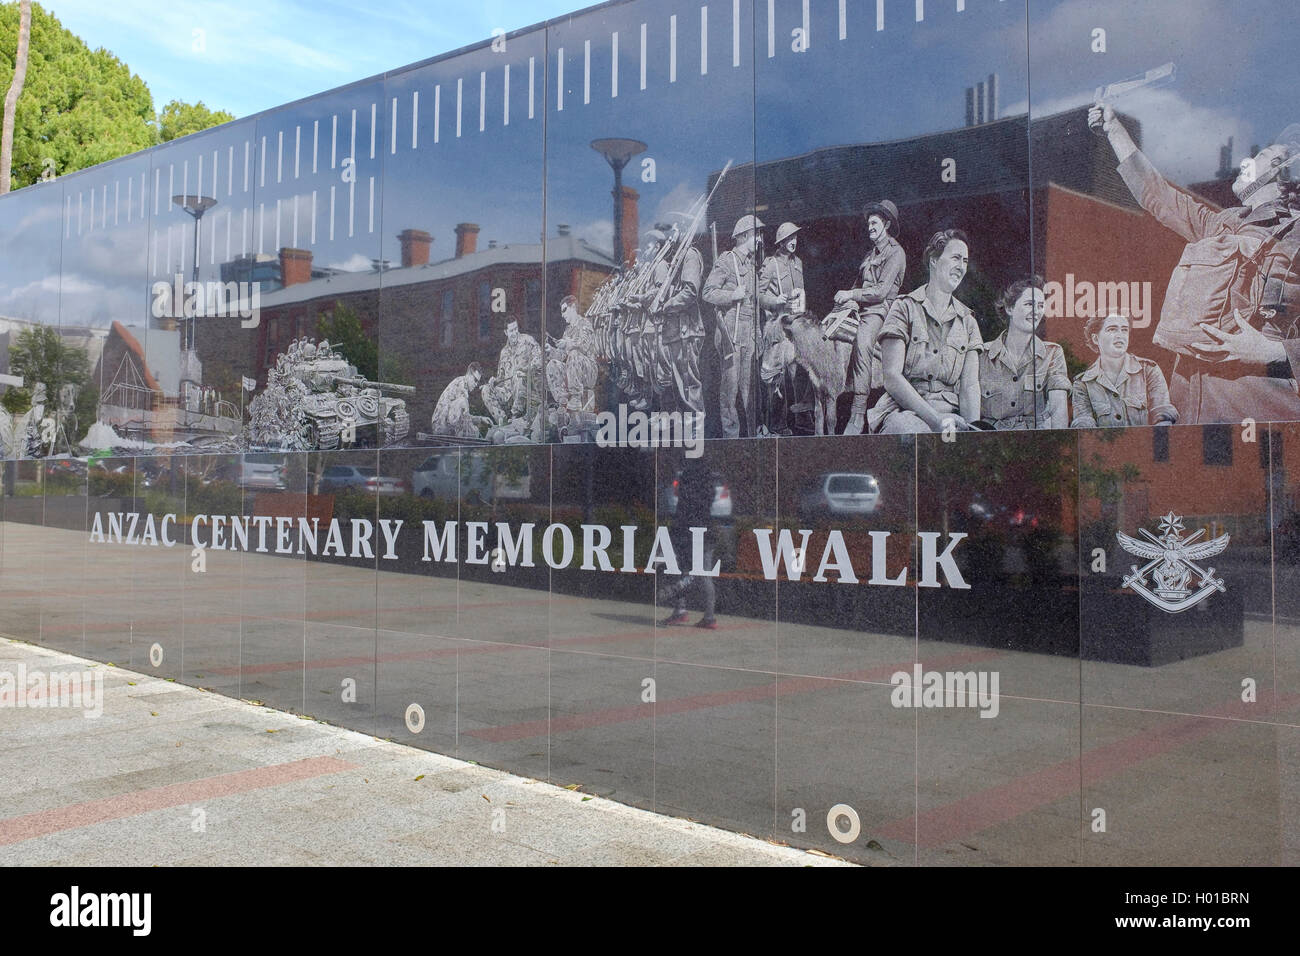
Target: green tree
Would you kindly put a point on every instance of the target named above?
(81, 106)
(178, 119)
(342, 327)
(39, 354)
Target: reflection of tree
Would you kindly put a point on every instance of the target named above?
(1106, 483)
(1029, 470)
(40, 355)
(489, 470)
(342, 327)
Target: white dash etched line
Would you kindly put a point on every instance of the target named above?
(672, 48)
(559, 79)
(735, 32)
(704, 41)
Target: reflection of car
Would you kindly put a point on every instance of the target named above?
(721, 507)
(446, 475)
(436, 476)
(839, 494)
(65, 466)
(981, 509)
(338, 477)
(262, 473)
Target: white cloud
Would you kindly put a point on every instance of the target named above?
(1180, 138)
(353, 263)
(599, 233)
(674, 205)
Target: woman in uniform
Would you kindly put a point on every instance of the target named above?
(929, 349)
(1119, 388)
(1023, 381)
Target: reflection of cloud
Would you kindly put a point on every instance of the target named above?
(1188, 31)
(673, 207)
(1182, 140)
(599, 233)
(353, 263)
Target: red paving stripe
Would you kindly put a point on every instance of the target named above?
(428, 655)
(164, 623)
(780, 688)
(961, 818)
(44, 822)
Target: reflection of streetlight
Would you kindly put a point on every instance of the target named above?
(196, 206)
(617, 152)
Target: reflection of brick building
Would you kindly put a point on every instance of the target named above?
(1206, 472)
(429, 319)
(1084, 221)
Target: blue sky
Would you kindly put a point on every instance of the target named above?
(253, 56)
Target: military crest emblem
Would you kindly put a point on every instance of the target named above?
(1176, 582)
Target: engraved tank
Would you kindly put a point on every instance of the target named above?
(344, 409)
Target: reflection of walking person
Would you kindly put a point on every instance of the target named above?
(696, 487)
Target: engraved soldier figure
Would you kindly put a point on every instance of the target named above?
(1119, 388)
(571, 369)
(682, 331)
(781, 293)
(451, 416)
(864, 308)
(1023, 379)
(511, 392)
(731, 288)
(1230, 308)
(930, 345)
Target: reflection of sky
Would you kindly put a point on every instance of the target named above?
(29, 253)
(492, 178)
(874, 85)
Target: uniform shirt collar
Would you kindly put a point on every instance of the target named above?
(1131, 365)
(997, 349)
(956, 308)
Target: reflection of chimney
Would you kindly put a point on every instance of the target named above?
(466, 239)
(631, 223)
(295, 266)
(415, 247)
(1225, 161)
(991, 112)
(970, 106)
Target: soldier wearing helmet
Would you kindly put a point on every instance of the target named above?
(781, 293)
(732, 289)
(1230, 309)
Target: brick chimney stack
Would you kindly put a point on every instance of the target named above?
(631, 223)
(415, 247)
(295, 266)
(466, 239)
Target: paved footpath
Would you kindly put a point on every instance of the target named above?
(171, 775)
